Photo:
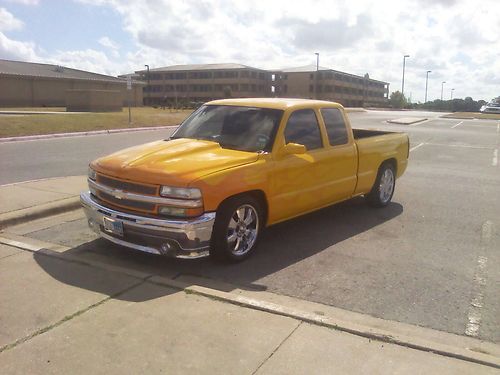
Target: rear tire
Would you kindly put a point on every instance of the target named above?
(237, 227)
(383, 188)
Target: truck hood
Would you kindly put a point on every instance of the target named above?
(175, 162)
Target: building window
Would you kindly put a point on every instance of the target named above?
(311, 88)
(244, 86)
(244, 74)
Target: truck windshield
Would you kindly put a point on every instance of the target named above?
(238, 128)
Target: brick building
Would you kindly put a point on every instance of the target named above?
(327, 84)
(203, 82)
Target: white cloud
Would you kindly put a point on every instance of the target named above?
(108, 43)
(8, 22)
(25, 2)
(15, 50)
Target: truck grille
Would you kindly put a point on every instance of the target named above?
(127, 186)
(127, 203)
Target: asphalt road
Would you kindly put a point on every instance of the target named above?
(430, 258)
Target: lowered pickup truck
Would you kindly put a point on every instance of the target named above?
(234, 167)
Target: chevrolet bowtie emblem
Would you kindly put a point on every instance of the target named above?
(118, 194)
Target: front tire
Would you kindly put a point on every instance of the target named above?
(383, 188)
(237, 228)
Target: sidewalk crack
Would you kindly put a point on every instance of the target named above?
(69, 317)
(278, 347)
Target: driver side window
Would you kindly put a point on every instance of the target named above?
(302, 128)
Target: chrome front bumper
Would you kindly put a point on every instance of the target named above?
(188, 238)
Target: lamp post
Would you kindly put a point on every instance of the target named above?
(316, 76)
(451, 96)
(426, 82)
(442, 86)
(403, 82)
(147, 66)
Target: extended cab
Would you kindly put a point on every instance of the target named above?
(232, 168)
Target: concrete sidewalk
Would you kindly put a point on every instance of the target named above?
(61, 316)
(63, 311)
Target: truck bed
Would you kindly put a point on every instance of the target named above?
(365, 133)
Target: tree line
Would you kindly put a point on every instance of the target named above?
(398, 100)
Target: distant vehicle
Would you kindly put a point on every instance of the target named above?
(492, 107)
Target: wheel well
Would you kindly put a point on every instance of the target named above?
(392, 162)
(257, 194)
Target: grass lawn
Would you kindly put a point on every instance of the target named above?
(34, 124)
(471, 115)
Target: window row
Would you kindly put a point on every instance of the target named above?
(345, 90)
(206, 75)
(207, 88)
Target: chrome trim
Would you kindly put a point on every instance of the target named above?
(120, 194)
(192, 236)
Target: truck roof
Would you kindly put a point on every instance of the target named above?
(275, 103)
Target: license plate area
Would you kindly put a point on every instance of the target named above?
(113, 226)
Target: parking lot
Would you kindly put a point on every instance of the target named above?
(431, 258)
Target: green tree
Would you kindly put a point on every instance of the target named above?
(398, 100)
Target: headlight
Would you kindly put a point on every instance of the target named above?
(92, 174)
(183, 193)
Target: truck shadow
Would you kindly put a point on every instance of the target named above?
(281, 246)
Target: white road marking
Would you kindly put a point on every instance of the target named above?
(417, 146)
(454, 126)
(494, 161)
(464, 146)
(479, 283)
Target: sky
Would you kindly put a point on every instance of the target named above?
(458, 40)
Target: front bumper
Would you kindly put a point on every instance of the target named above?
(188, 238)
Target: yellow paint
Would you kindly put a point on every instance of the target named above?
(292, 183)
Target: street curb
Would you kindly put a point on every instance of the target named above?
(81, 134)
(31, 213)
(373, 332)
(406, 121)
(319, 320)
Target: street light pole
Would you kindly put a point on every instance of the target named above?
(451, 96)
(147, 66)
(403, 83)
(442, 86)
(316, 76)
(426, 82)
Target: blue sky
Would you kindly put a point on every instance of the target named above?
(66, 25)
(458, 40)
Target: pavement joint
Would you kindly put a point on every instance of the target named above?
(67, 318)
(278, 347)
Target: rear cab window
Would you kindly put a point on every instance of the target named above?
(335, 126)
(303, 128)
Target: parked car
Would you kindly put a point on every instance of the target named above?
(492, 107)
(234, 167)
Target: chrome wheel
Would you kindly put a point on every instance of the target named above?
(242, 230)
(386, 186)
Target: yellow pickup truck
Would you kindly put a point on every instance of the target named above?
(234, 167)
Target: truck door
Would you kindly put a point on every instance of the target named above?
(299, 181)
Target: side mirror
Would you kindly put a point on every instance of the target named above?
(293, 149)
